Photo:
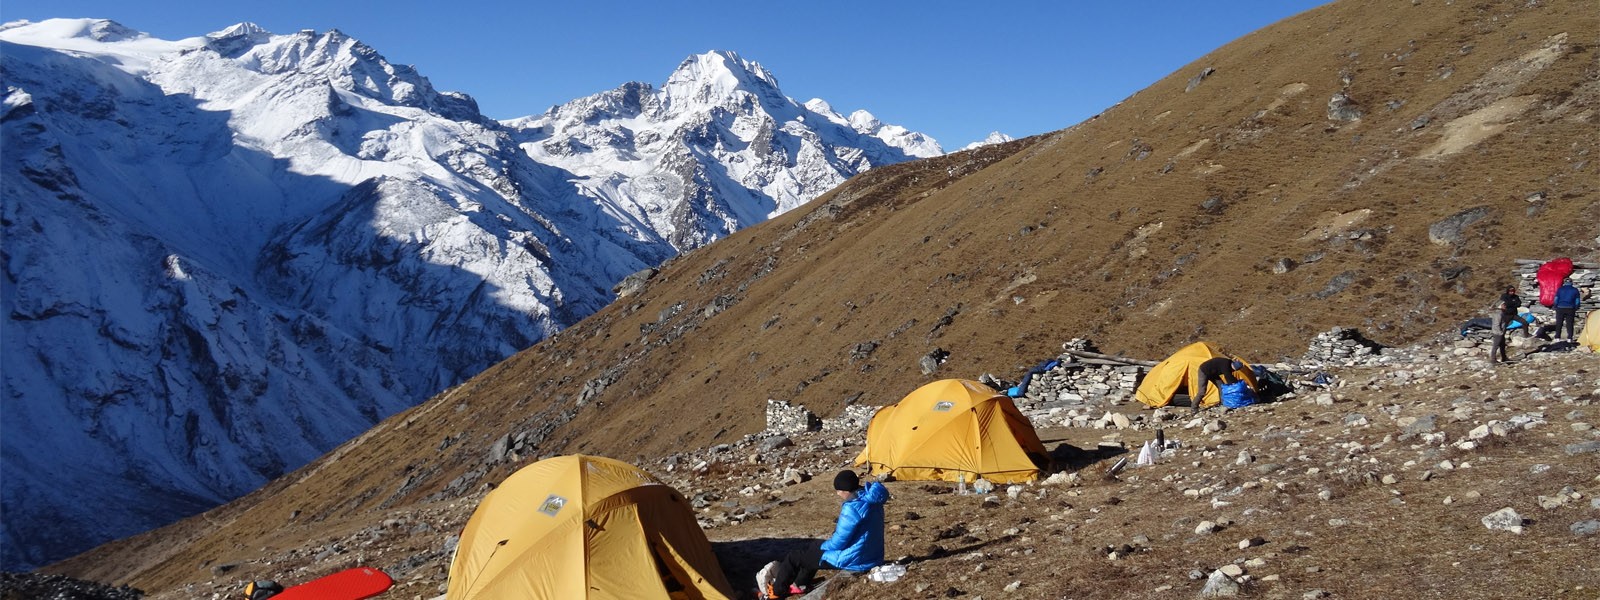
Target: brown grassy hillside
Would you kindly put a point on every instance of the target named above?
(1239, 207)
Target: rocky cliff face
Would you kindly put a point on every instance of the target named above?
(225, 255)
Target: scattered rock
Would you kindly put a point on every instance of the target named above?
(1586, 528)
(1219, 585)
(1505, 519)
(1194, 82)
(1343, 108)
(38, 585)
(1583, 448)
(1447, 231)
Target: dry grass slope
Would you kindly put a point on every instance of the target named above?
(1164, 220)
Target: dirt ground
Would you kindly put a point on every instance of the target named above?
(1336, 492)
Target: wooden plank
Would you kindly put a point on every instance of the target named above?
(1113, 359)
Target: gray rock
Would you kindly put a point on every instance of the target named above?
(930, 362)
(1267, 468)
(634, 283)
(1219, 585)
(1583, 448)
(1586, 528)
(1342, 107)
(1505, 519)
(1194, 82)
(1447, 231)
(500, 448)
(1421, 425)
(774, 443)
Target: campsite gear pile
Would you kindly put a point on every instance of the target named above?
(1540, 279)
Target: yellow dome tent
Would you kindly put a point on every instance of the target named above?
(1181, 373)
(954, 430)
(1591, 332)
(580, 526)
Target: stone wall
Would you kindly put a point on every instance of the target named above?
(1341, 346)
(854, 418)
(785, 418)
(1074, 382)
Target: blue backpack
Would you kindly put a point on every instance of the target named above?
(1237, 394)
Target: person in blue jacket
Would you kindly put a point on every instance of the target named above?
(1568, 297)
(856, 543)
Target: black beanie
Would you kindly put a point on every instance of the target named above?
(846, 481)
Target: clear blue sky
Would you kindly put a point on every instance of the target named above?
(953, 70)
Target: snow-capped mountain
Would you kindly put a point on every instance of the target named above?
(993, 138)
(715, 149)
(226, 254)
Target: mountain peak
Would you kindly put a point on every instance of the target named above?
(106, 30)
(99, 30)
(864, 122)
(243, 29)
(714, 76)
(993, 138)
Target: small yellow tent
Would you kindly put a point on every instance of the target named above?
(584, 527)
(1591, 332)
(1180, 373)
(953, 430)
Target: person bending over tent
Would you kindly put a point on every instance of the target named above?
(1216, 371)
(856, 544)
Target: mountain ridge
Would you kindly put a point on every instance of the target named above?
(293, 238)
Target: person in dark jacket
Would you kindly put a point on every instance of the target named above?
(1568, 297)
(856, 543)
(1505, 310)
(1216, 370)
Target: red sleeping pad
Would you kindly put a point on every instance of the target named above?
(350, 584)
(1550, 277)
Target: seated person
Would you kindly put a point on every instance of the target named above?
(856, 543)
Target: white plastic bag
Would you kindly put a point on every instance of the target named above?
(886, 573)
(1147, 454)
(764, 579)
